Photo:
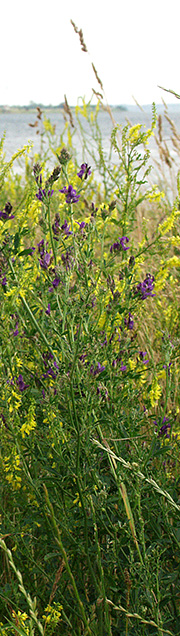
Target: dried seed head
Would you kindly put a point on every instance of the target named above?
(64, 156)
(68, 111)
(83, 45)
(81, 37)
(53, 177)
(99, 95)
(97, 77)
(74, 26)
(160, 128)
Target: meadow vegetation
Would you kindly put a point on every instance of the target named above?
(89, 398)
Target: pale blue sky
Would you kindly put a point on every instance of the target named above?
(134, 45)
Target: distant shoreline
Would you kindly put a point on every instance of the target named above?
(5, 109)
(33, 107)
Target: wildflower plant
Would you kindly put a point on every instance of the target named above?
(89, 415)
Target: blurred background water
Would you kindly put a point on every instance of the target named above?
(18, 132)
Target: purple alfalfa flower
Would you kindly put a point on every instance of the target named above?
(121, 243)
(67, 259)
(123, 367)
(40, 247)
(165, 367)
(142, 355)
(71, 194)
(48, 310)
(129, 322)
(46, 257)
(82, 226)
(55, 283)
(97, 370)
(66, 229)
(7, 212)
(21, 384)
(104, 343)
(50, 372)
(43, 194)
(56, 227)
(16, 332)
(163, 430)
(4, 281)
(43, 393)
(45, 260)
(85, 171)
(145, 289)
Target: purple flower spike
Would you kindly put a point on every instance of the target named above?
(45, 260)
(98, 369)
(71, 195)
(123, 367)
(85, 171)
(163, 431)
(123, 242)
(7, 212)
(142, 355)
(66, 228)
(120, 244)
(143, 290)
(129, 322)
(165, 367)
(21, 384)
(42, 194)
(48, 310)
(56, 282)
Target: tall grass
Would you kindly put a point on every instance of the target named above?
(89, 401)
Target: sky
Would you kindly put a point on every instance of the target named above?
(134, 45)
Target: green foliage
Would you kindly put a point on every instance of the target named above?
(89, 405)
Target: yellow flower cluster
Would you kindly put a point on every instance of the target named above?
(11, 466)
(155, 392)
(52, 614)
(154, 195)
(30, 421)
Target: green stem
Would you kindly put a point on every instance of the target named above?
(32, 317)
(64, 555)
(51, 234)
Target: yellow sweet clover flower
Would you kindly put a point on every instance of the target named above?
(20, 621)
(168, 223)
(30, 421)
(11, 466)
(48, 127)
(173, 240)
(77, 500)
(52, 615)
(155, 392)
(161, 277)
(133, 133)
(33, 212)
(154, 195)
(142, 379)
(174, 261)
(14, 401)
(132, 364)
